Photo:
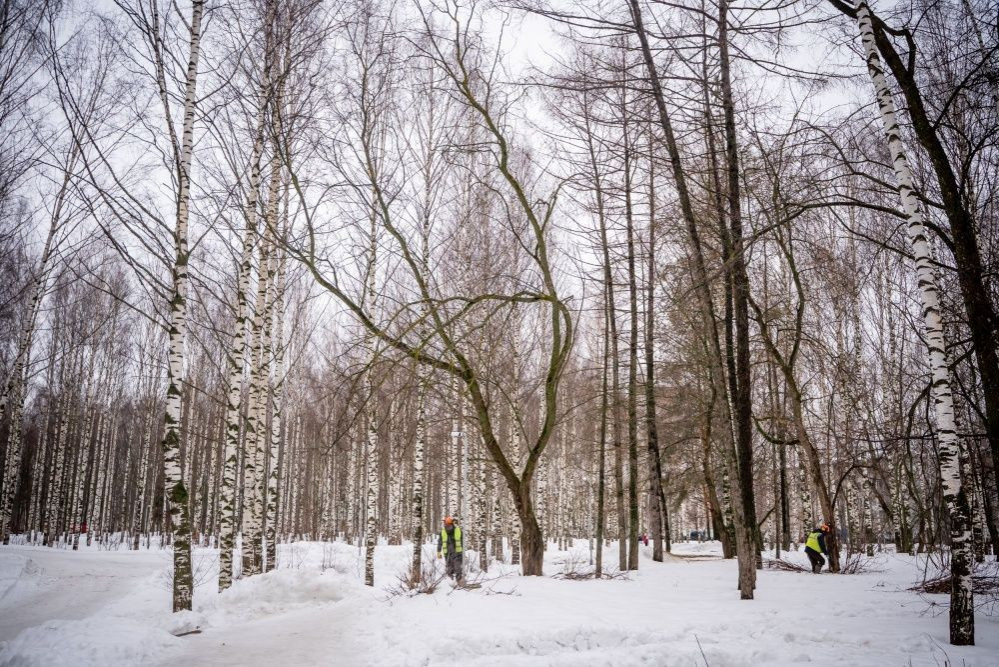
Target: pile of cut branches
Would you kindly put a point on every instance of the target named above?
(982, 583)
(857, 564)
(576, 567)
(591, 574)
(575, 575)
(783, 565)
(408, 585)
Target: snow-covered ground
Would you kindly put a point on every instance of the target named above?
(96, 607)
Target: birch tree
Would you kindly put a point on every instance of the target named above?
(962, 610)
(176, 491)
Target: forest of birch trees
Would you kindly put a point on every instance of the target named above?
(281, 270)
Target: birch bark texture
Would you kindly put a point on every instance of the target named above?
(274, 321)
(12, 401)
(371, 459)
(962, 611)
(175, 489)
(237, 360)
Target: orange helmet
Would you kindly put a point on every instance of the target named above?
(825, 528)
(448, 520)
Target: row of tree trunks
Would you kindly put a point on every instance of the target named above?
(747, 560)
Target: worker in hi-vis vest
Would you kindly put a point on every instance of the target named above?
(450, 547)
(815, 546)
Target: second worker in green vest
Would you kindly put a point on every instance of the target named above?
(449, 545)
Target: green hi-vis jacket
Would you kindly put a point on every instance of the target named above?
(816, 541)
(457, 541)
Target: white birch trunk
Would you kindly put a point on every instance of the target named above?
(962, 616)
(371, 488)
(227, 519)
(352, 489)
(418, 454)
(516, 453)
(453, 468)
(256, 421)
(38, 471)
(140, 476)
(496, 526)
(51, 524)
(176, 492)
(277, 391)
(482, 536)
(394, 478)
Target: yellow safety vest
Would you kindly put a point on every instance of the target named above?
(457, 540)
(813, 541)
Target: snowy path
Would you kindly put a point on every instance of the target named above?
(39, 584)
(682, 612)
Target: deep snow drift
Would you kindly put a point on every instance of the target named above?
(96, 607)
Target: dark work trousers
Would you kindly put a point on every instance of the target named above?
(454, 569)
(816, 558)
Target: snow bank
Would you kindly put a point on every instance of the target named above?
(108, 608)
(91, 641)
(88, 607)
(277, 592)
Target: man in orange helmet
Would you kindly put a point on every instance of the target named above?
(450, 546)
(815, 546)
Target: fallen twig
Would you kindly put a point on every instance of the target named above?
(783, 565)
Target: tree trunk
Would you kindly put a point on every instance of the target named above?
(609, 326)
(611, 315)
(275, 322)
(532, 545)
(256, 421)
(234, 416)
(701, 281)
(416, 571)
(982, 320)
(602, 451)
(372, 450)
(277, 391)
(717, 516)
(742, 395)
(962, 610)
(174, 488)
(659, 512)
(632, 355)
